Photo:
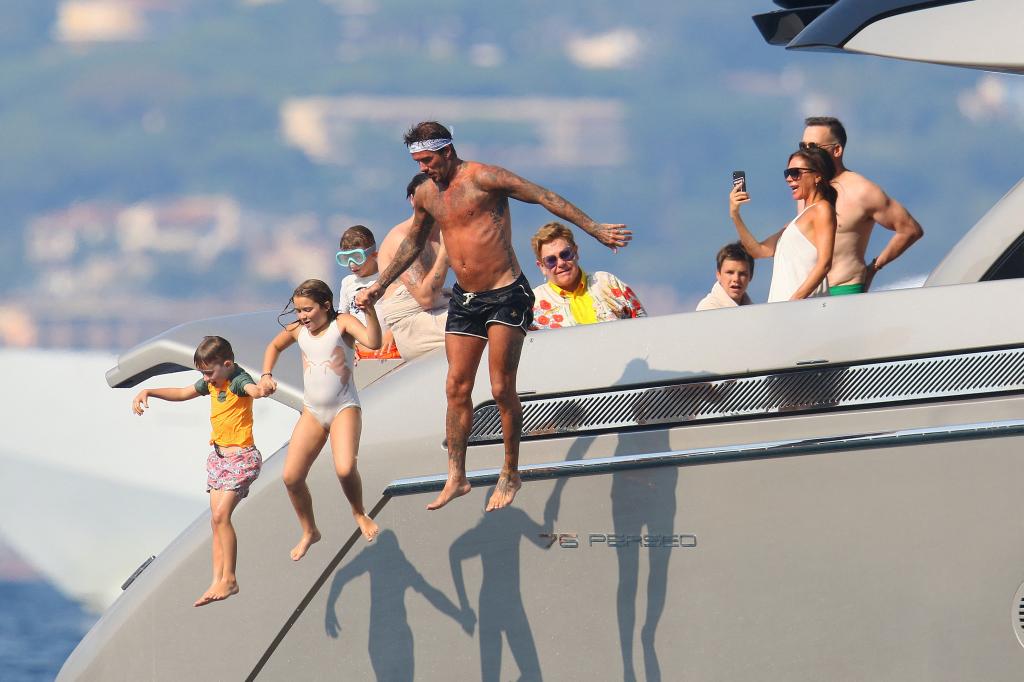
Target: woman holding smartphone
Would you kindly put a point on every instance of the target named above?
(802, 249)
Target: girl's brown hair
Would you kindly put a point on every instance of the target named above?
(314, 289)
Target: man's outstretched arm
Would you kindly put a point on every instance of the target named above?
(495, 178)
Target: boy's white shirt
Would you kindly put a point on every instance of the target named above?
(350, 286)
(719, 298)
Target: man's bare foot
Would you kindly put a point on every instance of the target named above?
(505, 491)
(300, 549)
(217, 592)
(368, 526)
(453, 487)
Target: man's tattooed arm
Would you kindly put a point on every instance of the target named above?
(495, 178)
(409, 249)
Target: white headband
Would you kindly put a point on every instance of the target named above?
(429, 145)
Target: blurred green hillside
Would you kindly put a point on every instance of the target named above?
(195, 108)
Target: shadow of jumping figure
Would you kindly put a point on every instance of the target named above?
(644, 498)
(656, 488)
(391, 574)
(496, 539)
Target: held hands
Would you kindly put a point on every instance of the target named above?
(140, 402)
(467, 619)
(267, 385)
(737, 197)
(613, 236)
(365, 298)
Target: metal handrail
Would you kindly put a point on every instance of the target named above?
(763, 450)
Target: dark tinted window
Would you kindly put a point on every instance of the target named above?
(1010, 265)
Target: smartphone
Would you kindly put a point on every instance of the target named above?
(740, 178)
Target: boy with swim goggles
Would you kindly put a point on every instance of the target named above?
(348, 258)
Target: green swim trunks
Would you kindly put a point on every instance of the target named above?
(845, 289)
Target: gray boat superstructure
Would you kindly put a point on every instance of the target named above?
(750, 493)
(977, 34)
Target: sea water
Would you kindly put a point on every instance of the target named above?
(39, 627)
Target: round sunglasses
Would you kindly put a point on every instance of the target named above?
(568, 254)
(353, 257)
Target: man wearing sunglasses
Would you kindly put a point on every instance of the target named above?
(860, 205)
(571, 296)
(492, 301)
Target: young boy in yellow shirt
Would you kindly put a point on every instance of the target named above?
(234, 462)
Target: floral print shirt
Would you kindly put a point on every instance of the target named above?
(603, 297)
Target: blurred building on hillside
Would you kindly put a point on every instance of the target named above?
(107, 276)
(538, 132)
(82, 22)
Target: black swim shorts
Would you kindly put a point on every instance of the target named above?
(470, 313)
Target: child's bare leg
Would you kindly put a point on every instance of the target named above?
(308, 439)
(225, 544)
(345, 431)
(217, 558)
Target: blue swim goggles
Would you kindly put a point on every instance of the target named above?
(353, 257)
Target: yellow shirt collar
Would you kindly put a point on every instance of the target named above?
(581, 302)
(579, 291)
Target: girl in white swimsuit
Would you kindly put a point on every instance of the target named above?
(326, 374)
(803, 248)
(330, 403)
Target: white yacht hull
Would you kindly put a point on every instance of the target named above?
(784, 548)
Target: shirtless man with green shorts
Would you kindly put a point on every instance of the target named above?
(860, 205)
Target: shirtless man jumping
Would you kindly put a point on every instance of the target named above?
(492, 301)
(861, 204)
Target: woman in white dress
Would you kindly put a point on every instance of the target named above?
(802, 249)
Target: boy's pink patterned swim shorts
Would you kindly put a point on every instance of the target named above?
(235, 468)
